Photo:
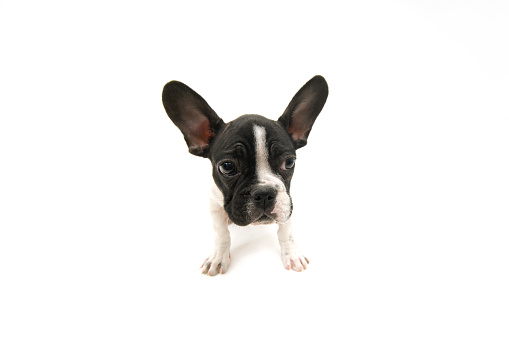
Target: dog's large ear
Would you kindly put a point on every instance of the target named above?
(303, 110)
(192, 115)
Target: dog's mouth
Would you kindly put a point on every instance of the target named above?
(263, 217)
(267, 217)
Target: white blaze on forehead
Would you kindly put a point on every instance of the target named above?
(263, 170)
(262, 151)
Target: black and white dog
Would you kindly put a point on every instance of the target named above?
(253, 160)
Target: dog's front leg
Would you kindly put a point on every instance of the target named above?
(219, 260)
(290, 253)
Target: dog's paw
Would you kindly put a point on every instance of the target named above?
(217, 262)
(293, 259)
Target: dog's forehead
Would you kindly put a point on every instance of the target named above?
(240, 133)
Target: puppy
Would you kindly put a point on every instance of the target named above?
(253, 159)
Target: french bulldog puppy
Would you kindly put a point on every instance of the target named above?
(253, 159)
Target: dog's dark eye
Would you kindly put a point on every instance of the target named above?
(288, 164)
(227, 169)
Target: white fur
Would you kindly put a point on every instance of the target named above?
(219, 259)
(290, 254)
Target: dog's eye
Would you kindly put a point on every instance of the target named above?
(288, 164)
(227, 169)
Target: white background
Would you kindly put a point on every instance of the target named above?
(401, 196)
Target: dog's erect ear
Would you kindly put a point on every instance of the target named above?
(192, 115)
(303, 110)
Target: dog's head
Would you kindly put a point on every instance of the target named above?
(252, 157)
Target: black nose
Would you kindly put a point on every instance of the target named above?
(264, 197)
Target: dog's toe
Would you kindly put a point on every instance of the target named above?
(294, 260)
(217, 263)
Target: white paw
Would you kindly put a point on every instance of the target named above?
(218, 262)
(293, 259)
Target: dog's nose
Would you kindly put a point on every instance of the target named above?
(264, 197)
